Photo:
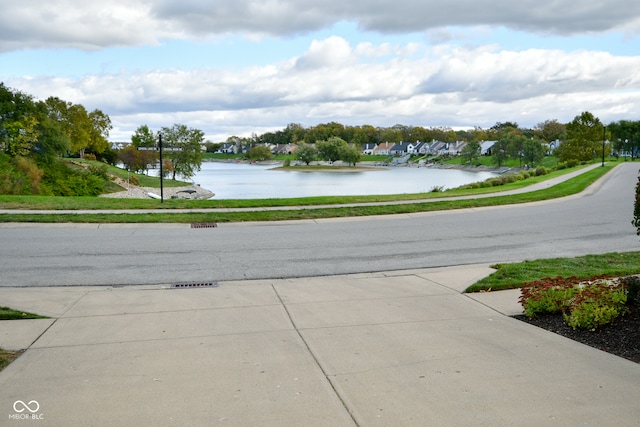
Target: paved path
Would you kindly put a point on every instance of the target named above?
(386, 349)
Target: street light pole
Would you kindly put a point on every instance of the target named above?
(161, 172)
(604, 136)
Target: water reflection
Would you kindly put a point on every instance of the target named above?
(244, 181)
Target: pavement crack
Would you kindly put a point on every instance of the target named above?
(315, 358)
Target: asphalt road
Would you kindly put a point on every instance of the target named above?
(597, 221)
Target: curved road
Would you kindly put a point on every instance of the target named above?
(597, 221)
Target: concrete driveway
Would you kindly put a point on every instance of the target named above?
(386, 349)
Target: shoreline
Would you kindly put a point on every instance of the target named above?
(364, 166)
(196, 192)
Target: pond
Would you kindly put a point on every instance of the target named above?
(244, 181)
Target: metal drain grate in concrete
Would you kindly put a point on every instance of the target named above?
(204, 225)
(189, 285)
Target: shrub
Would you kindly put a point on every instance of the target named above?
(585, 305)
(572, 163)
(632, 285)
(89, 156)
(597, 304)
(547, 296)
(100, 171)
(541, 170)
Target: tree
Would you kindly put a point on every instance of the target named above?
(21, 136)
(516, 145)
(18, 122)
(533, 152)
(143, 137)
(584, 136)
(99, 132)
(500, 130)
(260, 152)
(184, 149)
(550, 130)
(500, 151)
(478, 134)
(471, 152)
(306, 153)
(131, 158)
(626, 137)
(350, 154)
(79, 128)
(365, 134)
(330, 150)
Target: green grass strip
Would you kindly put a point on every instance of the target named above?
(7, 313)
(566, 188)
(514, 275)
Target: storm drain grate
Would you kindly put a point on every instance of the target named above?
(187, 285)
(204, 225)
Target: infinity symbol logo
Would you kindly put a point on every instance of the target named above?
(19, 403)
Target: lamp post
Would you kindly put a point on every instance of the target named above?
(161, 172)
(604, 136)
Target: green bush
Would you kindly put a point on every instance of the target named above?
(100, 171)
(585, 305)
(19, 175)
(60, 180)
(597, 304)
(632, 285)
(541, 170)
(547, 296)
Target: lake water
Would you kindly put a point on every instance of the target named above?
(244, 181)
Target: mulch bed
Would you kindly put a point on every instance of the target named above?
(622, 337)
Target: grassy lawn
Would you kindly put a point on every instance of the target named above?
(566, 188)
(510, 276)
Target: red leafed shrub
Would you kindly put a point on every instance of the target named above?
(584, 304)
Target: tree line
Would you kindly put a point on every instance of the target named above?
(34, 133)
(579, 140)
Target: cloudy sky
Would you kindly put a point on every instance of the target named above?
(233, 67)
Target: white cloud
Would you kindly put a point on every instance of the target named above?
(411, 84)
(94, 25)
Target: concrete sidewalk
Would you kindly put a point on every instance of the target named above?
(385, 349)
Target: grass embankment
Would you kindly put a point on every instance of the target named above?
(514, 275)
(142, 179)
(566, 188)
